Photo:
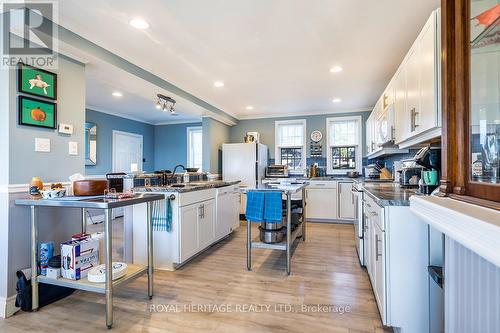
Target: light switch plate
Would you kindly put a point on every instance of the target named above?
(42, 145)
(65, 128)
(73, 148)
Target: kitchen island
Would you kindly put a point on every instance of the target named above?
(287, 190)
(190, 218)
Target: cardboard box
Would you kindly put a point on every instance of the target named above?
(78, 257)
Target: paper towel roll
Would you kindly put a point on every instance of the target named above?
(100, 236)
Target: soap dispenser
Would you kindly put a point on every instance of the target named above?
(185, 177)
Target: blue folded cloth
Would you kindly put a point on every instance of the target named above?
(272, 207)
(255, 206)
(162, 215)
(263, 206)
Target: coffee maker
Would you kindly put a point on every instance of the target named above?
(411, 169)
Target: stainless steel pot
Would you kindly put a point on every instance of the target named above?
(272, 236)
(272, 226)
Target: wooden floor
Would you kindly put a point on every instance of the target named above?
(325, 271)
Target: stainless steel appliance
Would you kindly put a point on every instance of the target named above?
(411, 169)
(277, 171)
(359, 226)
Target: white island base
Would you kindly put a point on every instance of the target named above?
(200, 218)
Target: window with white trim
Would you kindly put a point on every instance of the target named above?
(194, 145)
(290, 143)
(344, 144)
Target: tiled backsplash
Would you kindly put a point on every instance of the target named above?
(388, 161)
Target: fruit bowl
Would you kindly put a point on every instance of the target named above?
(53, 194)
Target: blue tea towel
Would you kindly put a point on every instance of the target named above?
(162, 215)
(272, 207)
(255, 206)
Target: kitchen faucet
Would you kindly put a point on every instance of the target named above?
(169, 179)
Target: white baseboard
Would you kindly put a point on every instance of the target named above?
(8, 306)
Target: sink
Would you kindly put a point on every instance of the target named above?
(178, 185)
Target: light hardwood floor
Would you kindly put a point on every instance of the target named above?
(325, 271)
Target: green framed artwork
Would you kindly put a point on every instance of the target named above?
(37, 82)
(36, 112)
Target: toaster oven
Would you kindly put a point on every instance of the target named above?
(277, 171)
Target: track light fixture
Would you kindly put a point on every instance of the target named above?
(166, 103)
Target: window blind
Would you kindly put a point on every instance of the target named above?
(343, 132)
(290, 135)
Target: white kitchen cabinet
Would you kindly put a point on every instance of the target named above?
(428, 116)
(206, 223)
(195, 226)
(346, 201)
(396, 259)
(401, 116)
(189, 231)
(379, 268)
(417, 89)
(321, 203)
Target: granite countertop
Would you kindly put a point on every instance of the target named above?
(389, 194)
(325, 178)
(188, 187)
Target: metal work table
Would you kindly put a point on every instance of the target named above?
(107, 205)
(286, 245)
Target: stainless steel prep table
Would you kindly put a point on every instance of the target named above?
(107, 205)
(286, 245)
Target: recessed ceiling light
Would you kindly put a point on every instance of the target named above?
(336, 100)
(139, 23)
(218, 84)
(249, 107)
(336, 69)
(117, 94)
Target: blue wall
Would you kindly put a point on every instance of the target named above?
(105, 125)
(171, 145)
(265, 127)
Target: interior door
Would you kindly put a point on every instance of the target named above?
(127, 150)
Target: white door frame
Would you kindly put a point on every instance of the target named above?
(134, 135)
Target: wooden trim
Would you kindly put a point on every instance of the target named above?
(455, 78)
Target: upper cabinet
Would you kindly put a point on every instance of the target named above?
(410, 105)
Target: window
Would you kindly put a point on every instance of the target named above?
(290, 137)
(194, 145)
(343, 144)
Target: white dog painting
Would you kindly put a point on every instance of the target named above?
(39, 83)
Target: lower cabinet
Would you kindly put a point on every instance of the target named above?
(199, 219)
(346, 201)
(321, 203)
(396, 258)
(330, 200)
(189, 231)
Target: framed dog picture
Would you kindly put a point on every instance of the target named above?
(36, 112)
(36, 82)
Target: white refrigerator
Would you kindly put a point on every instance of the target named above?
(246, 162)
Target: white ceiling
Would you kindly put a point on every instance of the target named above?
(272, 54)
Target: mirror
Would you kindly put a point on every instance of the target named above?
(90, 144)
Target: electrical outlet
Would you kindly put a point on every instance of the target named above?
(42, 145)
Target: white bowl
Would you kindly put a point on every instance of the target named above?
(53, 194)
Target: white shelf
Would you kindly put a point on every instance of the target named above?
(133, 272)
